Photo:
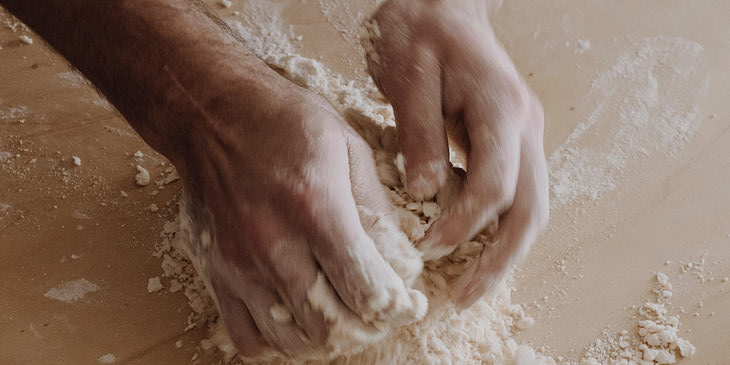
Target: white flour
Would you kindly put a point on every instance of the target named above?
(653, 92)
(72, 291)
(107, 359)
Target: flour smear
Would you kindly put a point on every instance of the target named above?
(72, 291)
(646, 104)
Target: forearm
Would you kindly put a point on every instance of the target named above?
(161, 63)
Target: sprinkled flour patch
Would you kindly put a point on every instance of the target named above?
(72, 291)
(653, 92)
(107, 359)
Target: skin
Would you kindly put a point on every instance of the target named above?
(280, 173)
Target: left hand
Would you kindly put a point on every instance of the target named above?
(441, 66)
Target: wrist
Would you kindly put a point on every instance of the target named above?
(162, 63)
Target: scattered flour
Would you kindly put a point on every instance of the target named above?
(5, 156)
(72, 78)
(653, 92)
(697, 269)
(16, 113)
(72, 291)
(107, 359)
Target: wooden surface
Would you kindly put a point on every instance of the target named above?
(665, 208)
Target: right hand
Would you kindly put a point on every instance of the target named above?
(441, 66)
(283, 178)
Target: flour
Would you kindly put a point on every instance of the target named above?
(697, 269)
(582, 45)
(4, 156)
(107, 359)
(25, 39)
(72, 78)
(72, 291)
(346, 17)
(76, 160)
(653, 92)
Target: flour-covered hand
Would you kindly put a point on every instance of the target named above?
(282, 176)
(441, 66)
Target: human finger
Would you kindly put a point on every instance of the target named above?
(240, 325)
(291, 270)
(415, 94)
(363, 280)
(487, 190)
(517, 230)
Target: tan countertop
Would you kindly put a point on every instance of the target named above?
(597, 258)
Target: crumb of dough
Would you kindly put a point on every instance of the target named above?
(154, 284)
(138, 154)
(154, 208)
(658, 339)
(225, 3)
(76, 160)
(123, 194)
(143, 176)
(175, 286)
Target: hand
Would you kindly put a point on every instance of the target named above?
(298, 226)
(283, 179)
(440, 65)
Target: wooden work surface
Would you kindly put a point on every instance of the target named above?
(67, 222)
